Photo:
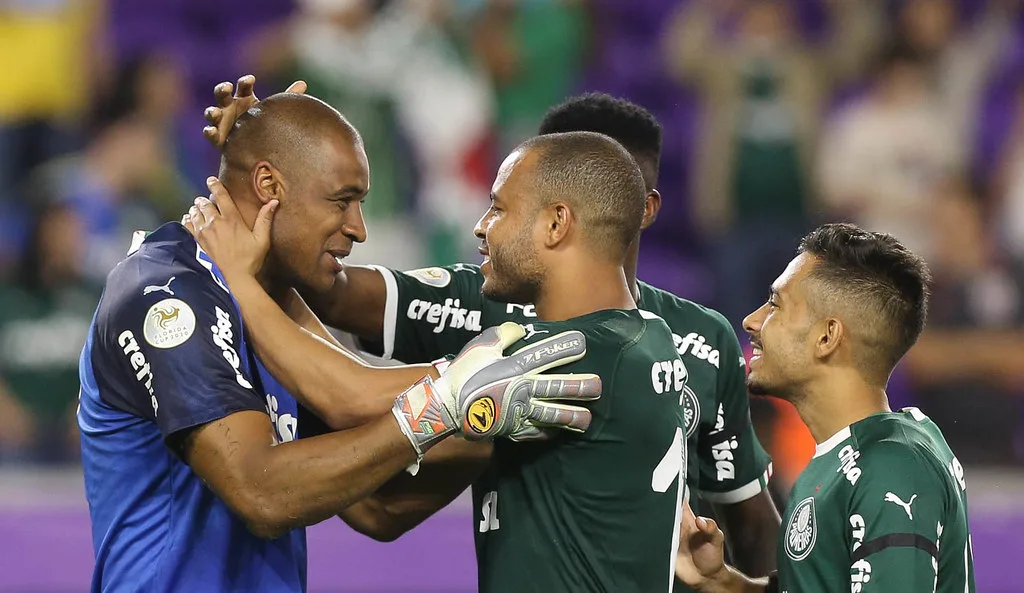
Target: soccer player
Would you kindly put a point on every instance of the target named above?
(422, 315)
(598, 511)
(194, 478)
(882, 506)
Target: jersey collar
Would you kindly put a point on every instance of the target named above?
(832, 442)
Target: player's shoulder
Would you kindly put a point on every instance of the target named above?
(605, 330)
(891, 442)
(444, 276)
(683, 315)
(166, 268)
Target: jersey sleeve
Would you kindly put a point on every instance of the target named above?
(732, 463)
(432, 312)
(895, 520)
(182, 352)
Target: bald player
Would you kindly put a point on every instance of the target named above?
(194, 475)
(597, 511)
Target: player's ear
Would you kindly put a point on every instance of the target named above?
(832, 333)
(267, 182)
(651, 208)
(558, 220)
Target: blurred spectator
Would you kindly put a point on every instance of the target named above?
(764, 91)
(394, 70)
(50, 56)
(884, 154)
(534, 54)
(44, 319)
(959, 55)
(150, 88)
(1008, 188)
(101, 185)
(968, 366)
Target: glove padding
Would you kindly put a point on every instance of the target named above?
(484, 395)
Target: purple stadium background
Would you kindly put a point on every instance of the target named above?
(45, 544)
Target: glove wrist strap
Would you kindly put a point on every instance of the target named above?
(422, 418)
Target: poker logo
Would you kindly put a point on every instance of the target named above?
(481, 415)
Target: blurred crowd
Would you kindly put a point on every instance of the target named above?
(906, 116)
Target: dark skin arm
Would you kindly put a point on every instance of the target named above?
(751, 530)
(332, 383)
(355, 304)
(275, 489)
(405, 501)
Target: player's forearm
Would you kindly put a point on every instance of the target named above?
(355, 304)
(340, 389)
(405, 501)
(306, 481)
(751, 529)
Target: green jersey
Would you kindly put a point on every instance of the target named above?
(433, 312)
(881, 507)
(597, 511)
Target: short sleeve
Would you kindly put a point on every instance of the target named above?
(432, 312)
(896, 512)
(733, 464)
(181, 345)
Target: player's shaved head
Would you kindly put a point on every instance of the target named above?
(300, 152)
(286, 130)
(598, 179)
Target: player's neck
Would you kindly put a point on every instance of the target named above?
(828, 408)
(574, 290)
(629, 266)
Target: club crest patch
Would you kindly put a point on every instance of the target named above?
(802, 530)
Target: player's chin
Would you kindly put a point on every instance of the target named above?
(756, 385)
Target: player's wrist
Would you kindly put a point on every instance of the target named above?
(730, 580)
(423, 417)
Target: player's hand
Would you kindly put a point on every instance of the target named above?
(484, 395)
(219, 229)
(701, 555)
(229, 108)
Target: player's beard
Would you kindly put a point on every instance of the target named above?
(516, 272)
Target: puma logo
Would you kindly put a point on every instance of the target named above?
(530, 331)
(890, 497)
(164, 288)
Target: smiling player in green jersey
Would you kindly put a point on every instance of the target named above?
(882, 506)
(423, 315)
(597, 511)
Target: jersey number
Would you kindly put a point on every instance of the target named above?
(671, 469)
(489, 509)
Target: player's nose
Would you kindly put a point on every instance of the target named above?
(752, 322)
(354, 226)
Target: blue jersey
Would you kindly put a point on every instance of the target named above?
(167, 353)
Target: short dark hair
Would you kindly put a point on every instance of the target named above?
(283, 129)
(885, 281)
(592, 169)
(627, 123)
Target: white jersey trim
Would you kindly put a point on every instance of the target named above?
(390, 311)
(832, 442)
(749, 490)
